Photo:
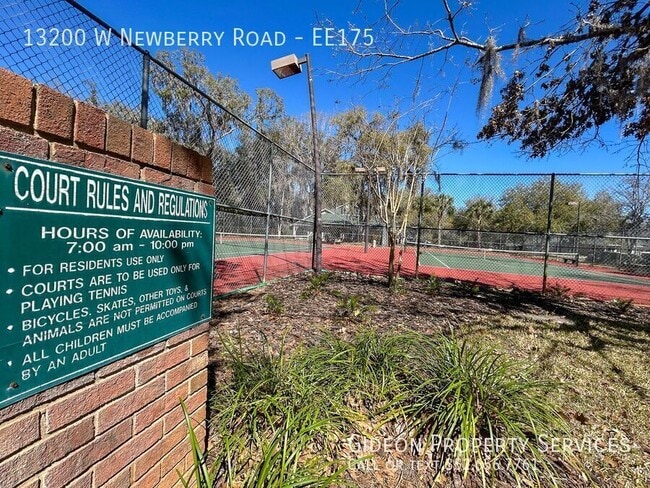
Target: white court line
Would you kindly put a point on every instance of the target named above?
(448, 267)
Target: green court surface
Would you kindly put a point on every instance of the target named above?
(525, 264)
(228, 246)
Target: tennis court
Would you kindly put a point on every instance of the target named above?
(526, 263)
(231, 245)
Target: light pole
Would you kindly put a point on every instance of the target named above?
(577, 204)
(288, 66)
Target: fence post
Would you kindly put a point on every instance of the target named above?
(548, 231)
(268, 216)
(144, 99)
(419, 234)
(366, 229)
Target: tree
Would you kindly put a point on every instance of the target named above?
(572, 82)
(393, 159)
(443, 207)
(479, 212)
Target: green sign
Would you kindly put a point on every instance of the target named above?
(93, 267)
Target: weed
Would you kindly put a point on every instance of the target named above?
(316, 282)
(432, 285)
(398, 286)
(274, 304)
(471, 288)
(558, 290)
(352, 308)
(622, 305)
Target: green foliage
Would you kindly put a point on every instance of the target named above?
(274, 304)
(280, 418)
(432, 285)
(353, 308)
(316, 283)
(203, 475)
(468, 394)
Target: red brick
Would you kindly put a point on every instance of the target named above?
(154, 176)
(181, 157)
(16, 98)
(84, 481)
(205, 188)
(206, 171)
(118, 137)
(89, 399)
(173, 398)
(182, 183)
(21, 143)
(149, 460)
(189, 334)
(122, 168)
(187, 369)
(124, 455)
(54, 113)
(195, 405)
(120, 480)
(142, 145)
(162, 152)
(171, 480)
(129, 404)
(152, 478)
(67, 154)
(200, 344)
(199, 381)
(49, 395)
(18, 434)
(195, 165)
(89, 126)
(45, 453)
(177, 435)
(130, 360)
(149, 414)
(161, 363)
(173, 458)
(101, 446)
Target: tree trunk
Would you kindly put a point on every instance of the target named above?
(391, 258)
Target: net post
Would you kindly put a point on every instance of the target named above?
(547, 241)
(268, 216)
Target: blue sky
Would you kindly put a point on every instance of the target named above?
(295, 20)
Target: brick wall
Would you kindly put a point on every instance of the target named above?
(121, 425)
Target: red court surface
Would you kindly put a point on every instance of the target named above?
(244, 271)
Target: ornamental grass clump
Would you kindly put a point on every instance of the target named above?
(283, 419)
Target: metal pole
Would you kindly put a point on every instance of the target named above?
(548, 231)
(316, 260)
(144, 98)
(366, 237)
(268, 217)
(419, 236)
(578, 237)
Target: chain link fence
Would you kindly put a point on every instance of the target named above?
(585, 233)
(589, 233)
(263, 192)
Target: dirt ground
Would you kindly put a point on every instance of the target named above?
(601, 350)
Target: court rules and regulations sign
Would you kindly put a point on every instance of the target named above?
(93, 267)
